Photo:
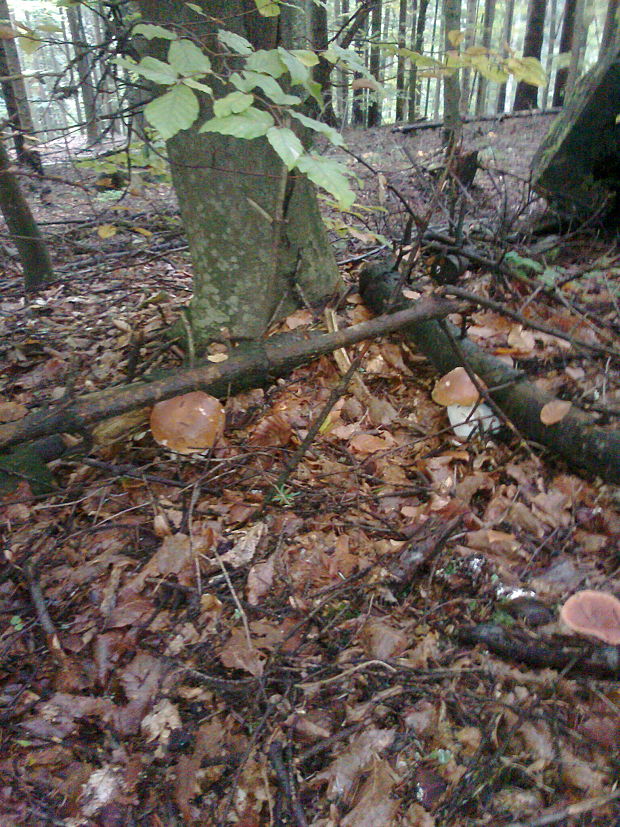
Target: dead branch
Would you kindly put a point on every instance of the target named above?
(251, 365)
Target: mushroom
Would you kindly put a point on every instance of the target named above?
(593, 613)
(455, 388)
(459, 395)
(189, 423)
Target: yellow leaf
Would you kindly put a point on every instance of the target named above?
(142, 231)
(29, 44)
(106, 231)
(554, 411)
(456, 37)
(268, 8)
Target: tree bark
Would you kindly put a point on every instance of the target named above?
(255, 233)
(487, 35)
(24, 232)
(84, 70)
(576, 438)
(566, 40)
(451, 87)
(400, 63)
(374, 108)
(506, 35)
(526, 96)
(612, 25)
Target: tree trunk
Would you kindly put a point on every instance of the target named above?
(322, 71)
(374, 108)
(470, 39)
(526, 96)
(576, 48)
(553, 33)
(258, 244)
(400, 64)
(612, 25)
(418, 45)
(87, 89)
(451, 87)
(33, 253)
(487, 35)
(566, 40)
(506, 35)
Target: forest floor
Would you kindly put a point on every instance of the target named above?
(172, 653)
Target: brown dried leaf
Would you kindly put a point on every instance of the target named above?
(554, 411)
(239, 653)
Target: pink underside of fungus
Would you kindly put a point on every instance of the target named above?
(189, 423)
(593, 613)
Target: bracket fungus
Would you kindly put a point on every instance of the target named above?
(593, 613)
(189, 423)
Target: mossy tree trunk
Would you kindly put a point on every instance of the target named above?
(258, 245)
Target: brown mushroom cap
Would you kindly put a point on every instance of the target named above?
(188, 423)
(593, 613)
(455, 388)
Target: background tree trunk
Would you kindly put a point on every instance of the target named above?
(255, 233)
(418, 45)
(33, 253)
(576, 47)
(374, 108)
(451, 87)
(506, 35)
(566, 40)
(86, 87)
(400, 63)
(526, 96)
(612, 25)
(470, 39)
(487, 35)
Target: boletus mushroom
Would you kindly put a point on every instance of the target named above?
(189, 423)
(593, 613)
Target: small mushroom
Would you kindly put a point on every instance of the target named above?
(455, 388)
(593, 613)
(189, 423)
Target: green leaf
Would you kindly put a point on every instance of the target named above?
(247, 125)
(235, 42)
(172, 112)
(297, 69)
(195, 7)
(419, 60)
(268, 8)
(330, 175)
(347, 57)
(490, 69)
(304, 56)
(522, 264)
(330, 133)
(187, 58)
(156, 70)
(266, 61)
(286, 144)
(150, 31)
(270, 87)
(527, 69)
(232, 104)
(196, 84)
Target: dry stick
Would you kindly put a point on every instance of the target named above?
(47, 624)
(553, 815)
(286, 780)
(551, 331)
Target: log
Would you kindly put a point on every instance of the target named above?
(577, 438)
(526, 113)
(250, 365)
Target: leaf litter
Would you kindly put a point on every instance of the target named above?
(226, 664)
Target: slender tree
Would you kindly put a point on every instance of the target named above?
(553, 32)
(506, 35)
(451, 87)
(487, 36)
(23, 230)
(566, 42)
(418, 27)
(374, 108)
(84, 68)
(526, 96)
(400, 63)
(470, 39)
(579, 33)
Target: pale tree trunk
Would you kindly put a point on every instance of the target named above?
(451, 87)
(470, 39)
(526, 96)
(566, 41)
(418, 24)
(23, 230)
(506, 35)
(85, 72)
(553, 33)
(487, 36)
(258, 245)
(322, 71)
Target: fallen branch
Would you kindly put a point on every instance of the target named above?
(499, 117)
(249, 366)
(577, 437)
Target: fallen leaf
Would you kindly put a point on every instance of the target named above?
(554, 411)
